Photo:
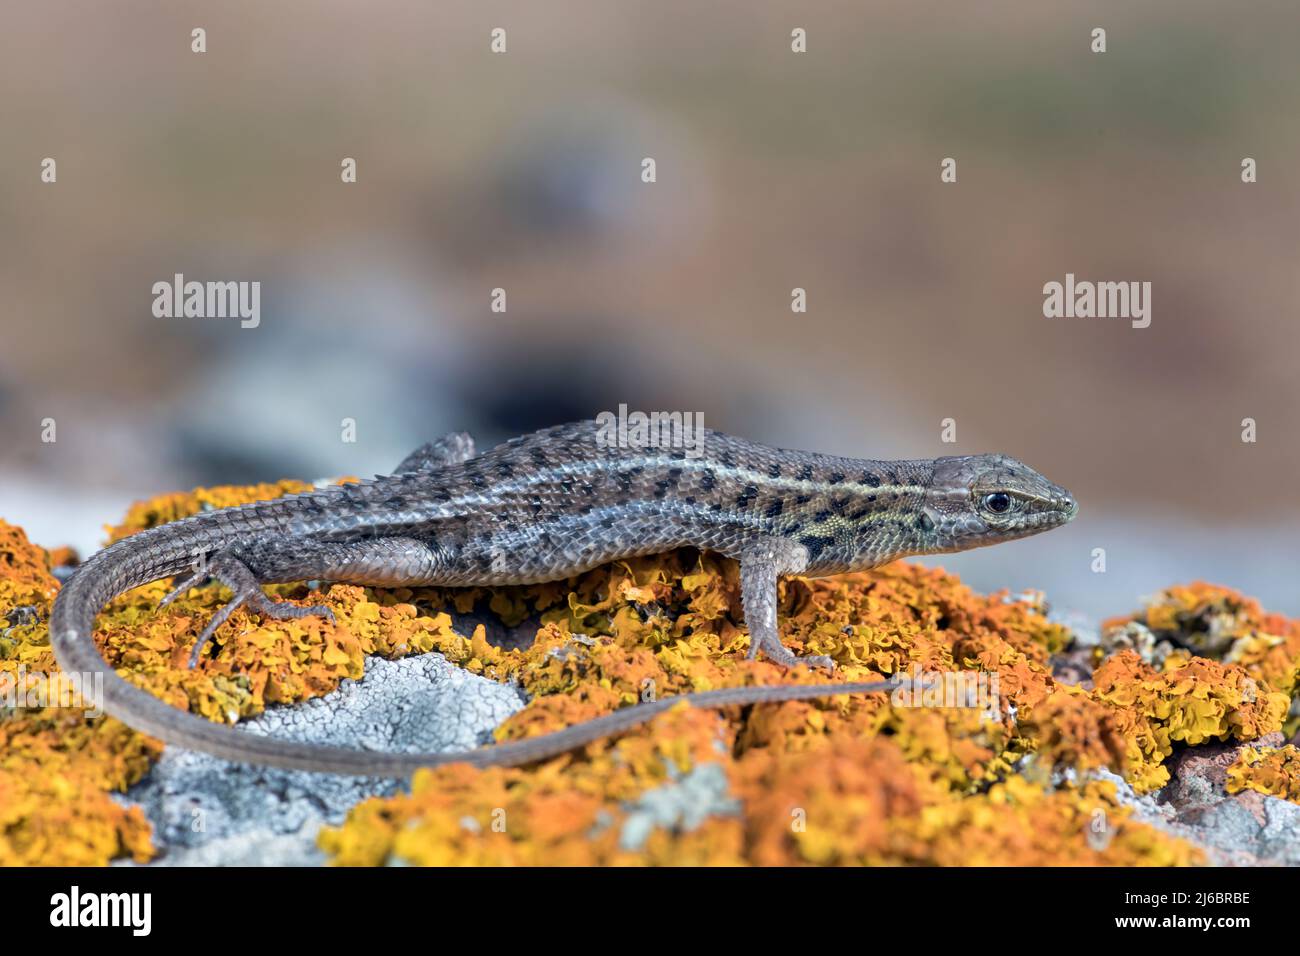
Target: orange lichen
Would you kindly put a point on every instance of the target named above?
(1072, 729)
(1134, 715)
(848, 801)
(61, 761)
(863, 803)
(56, 766)
(882, 783)
(56, 772)
(1222, 624)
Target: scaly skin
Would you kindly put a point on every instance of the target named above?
(541, 508)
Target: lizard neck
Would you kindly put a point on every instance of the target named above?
(858, 518)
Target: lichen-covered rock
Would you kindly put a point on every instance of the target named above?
(865, 780)
(1221, 624)
(57, 767)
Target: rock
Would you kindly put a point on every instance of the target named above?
(681, 805)
(1198, 774)
(210, 812)
(1244, 829)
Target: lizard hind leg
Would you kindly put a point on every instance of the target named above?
(236, 575)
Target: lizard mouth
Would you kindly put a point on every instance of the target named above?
(979, 530)
(1063, 513)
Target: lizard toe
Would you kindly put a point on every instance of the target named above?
(781, 655)
(256, 598)
(284, 610)
(217, 620)
(190, 581)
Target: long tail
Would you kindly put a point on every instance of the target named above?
(154, 554)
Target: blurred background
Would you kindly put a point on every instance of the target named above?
(775, 170)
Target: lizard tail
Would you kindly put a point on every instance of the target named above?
(151, 555)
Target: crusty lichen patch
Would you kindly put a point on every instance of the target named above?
(837, 781)
(1133, 716)
(1221, 624)
(1229, 670)
(1270, 770)
(56, 766)
(845, 800)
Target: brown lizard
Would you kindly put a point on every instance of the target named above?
(544, 507)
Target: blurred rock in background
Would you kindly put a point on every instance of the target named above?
(775, 170)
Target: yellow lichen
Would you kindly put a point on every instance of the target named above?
(1134, 715)
(56, 766)
(1222, 624)
(1274, 771)
(848, 780)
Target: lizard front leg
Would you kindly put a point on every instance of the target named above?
(760, 564)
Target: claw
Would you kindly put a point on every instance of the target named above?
(280, 610)
(819, 660)
(217, 620)
(283, 610)
(782, 656)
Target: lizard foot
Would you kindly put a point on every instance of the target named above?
(760, 565)
(235, 575)
(781, 655)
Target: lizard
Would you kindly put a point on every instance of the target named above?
(544, 507)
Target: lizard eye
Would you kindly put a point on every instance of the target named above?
(999, 502)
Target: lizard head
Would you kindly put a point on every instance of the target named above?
(976, 500)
